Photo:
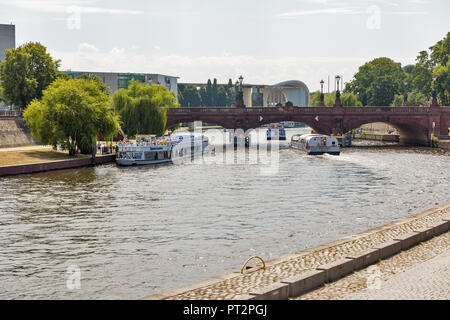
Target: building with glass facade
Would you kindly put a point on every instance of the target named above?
(7, 38)
(116, 81)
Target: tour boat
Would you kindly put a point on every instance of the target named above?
(149, 149)
(315, 144)
(293, 124)
(276, 132)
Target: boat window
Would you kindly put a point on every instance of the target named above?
(150, 155)
(136, 155)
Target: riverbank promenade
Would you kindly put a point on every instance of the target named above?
(360, 261)
(419, 273)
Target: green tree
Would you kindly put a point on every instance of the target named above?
(191, 97)
(204, 96)
(26, 72)
(1, 94)
(377, 81)
(214, 93)
(421, 76)
(350, 100)
(415, 98)
(209, 94)
(347, 99)
(440, 52)
(442, 84)
(89, 76)
(142, 107)
(429, 64)
(72, 113)
(222, 97)
(230, 93)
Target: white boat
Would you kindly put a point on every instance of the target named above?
(293, 124)
(315, 144)
(276, 132)
(148, 149)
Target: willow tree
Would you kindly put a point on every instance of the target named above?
(142, 107)
(72, 114)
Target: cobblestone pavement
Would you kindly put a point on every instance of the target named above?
(300, 262)
(421, 272)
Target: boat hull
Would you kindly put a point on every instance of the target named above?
(138, 162)
(313, 144)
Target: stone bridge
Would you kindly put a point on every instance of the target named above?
(414, 124)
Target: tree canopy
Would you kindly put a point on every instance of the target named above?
(89, 76)
(347, 99)
(142, 107)
(189, 96)
(209, 95)
(381, 80)
(26, 72)
(71, 113)
(377, 81)
(415, 98)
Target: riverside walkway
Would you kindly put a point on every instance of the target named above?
(421, 272)
(234, 285)
(25, 148)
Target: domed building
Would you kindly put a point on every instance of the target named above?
(294, 91)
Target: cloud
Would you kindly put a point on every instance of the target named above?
(60, 6)
(408, 13)
(319, 12)
(255, 69)
(86, 47)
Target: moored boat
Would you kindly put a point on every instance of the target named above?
(148, 149)
(275, 132)
(315, 144)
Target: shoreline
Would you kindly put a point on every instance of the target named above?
(314, 264)
(55, 165)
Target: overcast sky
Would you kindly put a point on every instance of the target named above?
(266, 41)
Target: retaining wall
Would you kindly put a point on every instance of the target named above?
(55, 165)
(14, 133)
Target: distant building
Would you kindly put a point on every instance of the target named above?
(262, 95)
(294, 91)
(118, 81)
(7, 39)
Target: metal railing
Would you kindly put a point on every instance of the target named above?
(9, 113)
(305, 110)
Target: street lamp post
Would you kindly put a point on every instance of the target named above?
(337, 103)
(321, 102)
(405, 94)
(239, 95)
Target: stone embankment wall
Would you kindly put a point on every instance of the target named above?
(55, 165)
(14, 133)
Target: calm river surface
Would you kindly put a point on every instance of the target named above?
(141, 230)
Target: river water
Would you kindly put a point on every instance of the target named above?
(130, 232)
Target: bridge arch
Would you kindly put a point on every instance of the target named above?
(411, 132)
